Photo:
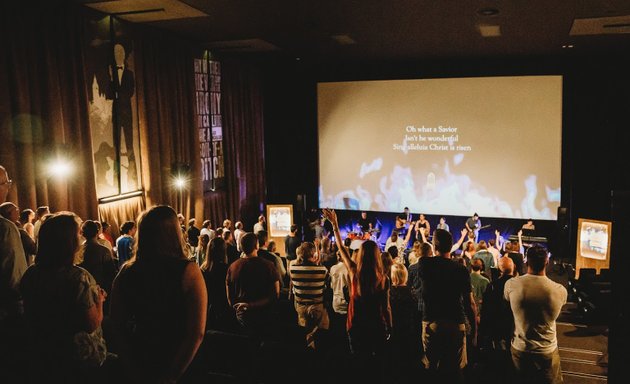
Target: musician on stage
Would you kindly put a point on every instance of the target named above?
(422, 225)
(443, 225)
(473, 224)
(402, 222)
(529, 225)
(364, 223)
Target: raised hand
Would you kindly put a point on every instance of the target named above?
(331, 216)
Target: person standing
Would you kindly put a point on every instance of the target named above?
(536, 302)
(260, 225)
(448, 301)
(369, 321)
(473, 224)
(253, 287)
(42, 212)
(124, 243)
(193, 233)
(443, 225)
(291, 243)
(162, 294)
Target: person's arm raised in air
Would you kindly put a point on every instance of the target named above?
(520, 241)
(331, 216)
(497, 240)
(424, 236)
(459, 243)
(406, 241)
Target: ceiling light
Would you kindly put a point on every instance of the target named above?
(344, 39)
(489, 30)
(486, 12)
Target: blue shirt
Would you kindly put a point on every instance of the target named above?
(124, 248)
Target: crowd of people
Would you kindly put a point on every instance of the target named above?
(79, 306)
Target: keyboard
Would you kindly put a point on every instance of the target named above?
(529, 239)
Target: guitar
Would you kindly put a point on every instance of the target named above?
(402, 223)
(480, 228)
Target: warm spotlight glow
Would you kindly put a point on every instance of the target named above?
(180, 182)
(60, 168)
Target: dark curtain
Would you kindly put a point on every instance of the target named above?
(43, 108)
(165, 88)
(244, 195)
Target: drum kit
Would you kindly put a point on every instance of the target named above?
(364, 235)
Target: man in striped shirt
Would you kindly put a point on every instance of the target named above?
(308, 280)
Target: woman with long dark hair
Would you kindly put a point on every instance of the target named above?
(158, 307)
(214, 270)
(369, 314)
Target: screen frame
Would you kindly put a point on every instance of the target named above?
(367, 75)
(274, 232)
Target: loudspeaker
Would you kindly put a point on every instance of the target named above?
(300, 202)
(559, 246)
(563, 218)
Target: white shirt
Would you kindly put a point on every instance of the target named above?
(495, 255)
(536, 302)
(339, 279)
(400, 244)
(237, 238)
(258, 227)
(207, 231)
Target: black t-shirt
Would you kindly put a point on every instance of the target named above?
(291, 244)
(251, 279)
(519, 264)
(232, 253)
(472, 223)
(364, 224)
(193, 235)
(445, 283)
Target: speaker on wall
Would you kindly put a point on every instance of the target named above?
(559, 244)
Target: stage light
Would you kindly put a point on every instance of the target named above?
(179, 182)
(60, 168)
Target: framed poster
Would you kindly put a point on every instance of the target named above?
(594, 239)
(280, 219)
(113, 114)
(593, 245)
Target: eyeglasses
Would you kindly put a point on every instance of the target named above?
(7, 183)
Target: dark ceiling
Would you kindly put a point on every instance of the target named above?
(401, 29)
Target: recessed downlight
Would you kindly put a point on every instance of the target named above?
(486, 12)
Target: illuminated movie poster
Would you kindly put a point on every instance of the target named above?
(109, 69)
(594, 239)
(280, 218)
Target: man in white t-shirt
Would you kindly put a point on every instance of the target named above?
(536, 302)
(206, 230)
(260, 225)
